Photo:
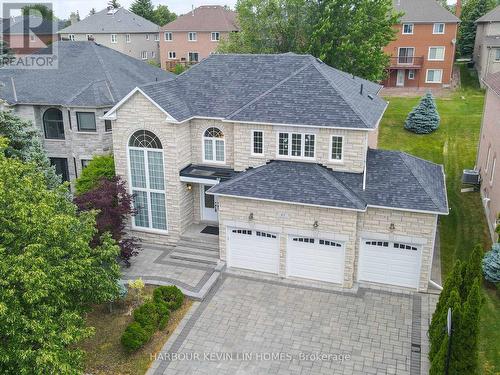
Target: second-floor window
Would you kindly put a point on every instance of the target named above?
(257, 142)
(192, 36)
(127, 38)
(215, 36)
(436, 53)
(337, 148)
(147, 36)
(213, 145)
(405, 55)
(71, 37)
(297, 145)
(407, 28)
(90, 37)
(157, 37)
(438, 28)
(497, 54)
(86, 121)
(113, 38)
(53, 124)
(168, 36)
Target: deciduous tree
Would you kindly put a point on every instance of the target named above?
(49, 273)
(471, 11)
(162, 15)
(143, 8)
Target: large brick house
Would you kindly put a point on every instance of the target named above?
(489, 152)
(66, 104)
(195, 35)
(424, 50)
(279, 152)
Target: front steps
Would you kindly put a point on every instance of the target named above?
(197, 251)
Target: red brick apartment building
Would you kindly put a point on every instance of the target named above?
(424, 50)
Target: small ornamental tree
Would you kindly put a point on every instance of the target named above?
(114, 204)
(491, 264)
(102, 166)
(424, 118)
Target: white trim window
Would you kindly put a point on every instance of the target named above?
(192, 36)
(434, 76)
(436, 54)
(172, 55)
(127, 38)
(90, 37)
(153, 54)
(411, 74)
(337, 148)
(493, 166)
(193, 57)
(147, 36)
(438, 28)
(71, 37)
(114, 38)
(296, 145)
(157, 37)
(214, 146)
(147, 181)
(497, 55)
(408, 28)
(215, 36)
(144, 55)
(257, 142)
(168, 36)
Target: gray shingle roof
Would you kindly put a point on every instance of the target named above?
(284, 89)
(121, 21)
(88, 75)
(394, 180)
(492, 16)
(423, 11)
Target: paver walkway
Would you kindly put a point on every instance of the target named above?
(244, 322)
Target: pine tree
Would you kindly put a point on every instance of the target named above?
(143, 8)
(424, 118)
(491, 264)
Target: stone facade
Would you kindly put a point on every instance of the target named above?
(76, 146)
(182, 145)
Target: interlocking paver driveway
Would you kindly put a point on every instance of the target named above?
(251, 317)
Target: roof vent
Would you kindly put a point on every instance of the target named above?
(370, 96)
(361, 90)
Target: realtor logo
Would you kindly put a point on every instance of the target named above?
(27, 38)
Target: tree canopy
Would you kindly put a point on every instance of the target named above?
(471, 11)
(38, 10)
(346, 34)
(160, 15)
(25, 144)
(49, 273)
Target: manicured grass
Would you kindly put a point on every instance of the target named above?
(454, 144)
(105, 354)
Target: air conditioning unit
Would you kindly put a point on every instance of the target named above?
(471, 177)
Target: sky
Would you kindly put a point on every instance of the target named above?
(63, 8)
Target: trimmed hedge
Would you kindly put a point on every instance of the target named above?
(151, 316)
(171, 295)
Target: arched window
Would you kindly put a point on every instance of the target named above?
(213, 145)
(53, 124)
(147, 180)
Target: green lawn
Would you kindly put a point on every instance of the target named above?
(454, 144)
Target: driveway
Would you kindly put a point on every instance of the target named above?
(252, 326)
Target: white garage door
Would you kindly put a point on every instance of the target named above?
(253, 250)
(316, 259)
(388, 262)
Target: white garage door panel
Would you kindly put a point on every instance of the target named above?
(254, 250)
(312, 260)
(389, 263)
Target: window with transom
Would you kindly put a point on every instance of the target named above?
(213, 145)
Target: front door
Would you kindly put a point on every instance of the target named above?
(400, 79)
(209, 205)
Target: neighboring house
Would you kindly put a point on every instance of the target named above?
(424, 50)
(24, 34)
(195, 35)
(120, 30)
(487, 45)
(66, 104)
(489, 152)
(280, 152)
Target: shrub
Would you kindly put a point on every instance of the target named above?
(171, 295)
(147, 315)
(163, 312)
(100, 167)
(424, 118)
(134, 337)
(491, 264)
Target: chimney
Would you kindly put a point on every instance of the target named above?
(192, 9)
(458, 8)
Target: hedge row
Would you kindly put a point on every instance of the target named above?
(151, 316)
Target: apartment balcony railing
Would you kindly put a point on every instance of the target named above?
(411, 62)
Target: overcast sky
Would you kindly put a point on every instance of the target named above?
(63, 8)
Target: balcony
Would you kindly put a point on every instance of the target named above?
(408, 62)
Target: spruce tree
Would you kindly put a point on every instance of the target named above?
(143, 8)
(424, 118)
(491, 264)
